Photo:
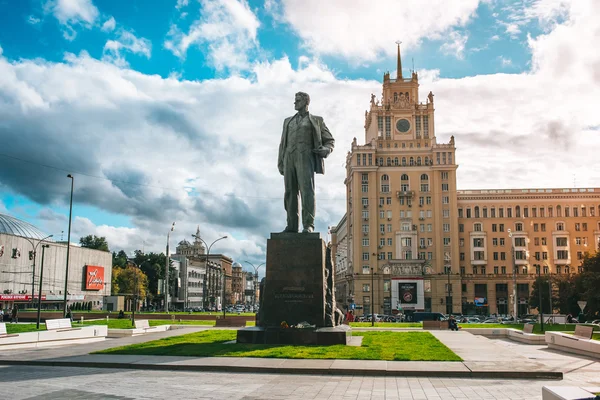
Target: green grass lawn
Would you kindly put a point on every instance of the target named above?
(22, 328)
(126, 323)
(387, 324)
(399, 346)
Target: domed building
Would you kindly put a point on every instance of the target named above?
(22, 246)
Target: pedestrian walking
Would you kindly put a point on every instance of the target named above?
(15, 314)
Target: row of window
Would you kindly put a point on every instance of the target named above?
(560, 226)
(541, 212)
(366, 159)
(523, 269)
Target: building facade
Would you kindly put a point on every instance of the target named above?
(21, 251)
(411, 241)
(201, 276)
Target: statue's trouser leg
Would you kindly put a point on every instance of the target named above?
(306, 181)
(291, 194)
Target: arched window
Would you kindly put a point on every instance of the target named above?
(385, 178)
(424, 177)
(395, 96)
(381, 161)
(404, 186)
(404, 161)
(411, 161)
(426, 160)
(396, 161)
(558, 211)
(518, 212)
(403, 145)
(418, 160)
(518, 226)
(389, 162)
(406, 95)
(476, 211)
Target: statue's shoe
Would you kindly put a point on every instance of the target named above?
(308, 230)
(289, 230)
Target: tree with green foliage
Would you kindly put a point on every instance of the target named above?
(541, 283)
(94, 242)
(590, 284)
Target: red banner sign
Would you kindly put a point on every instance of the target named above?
(19, 297)
(94, 277)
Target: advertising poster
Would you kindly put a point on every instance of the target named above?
(408, 292)
(94, 277)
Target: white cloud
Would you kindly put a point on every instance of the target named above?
(71, 13)
(204, 152)
(126, 42)
(182, 3)
(455, 44)
(33, 20)
(109, 25)
(505, 62)
(362, 31)
(227, 29)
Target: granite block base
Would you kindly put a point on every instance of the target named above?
(317, 336)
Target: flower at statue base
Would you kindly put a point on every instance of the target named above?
(284, 325)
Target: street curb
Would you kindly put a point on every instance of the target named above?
(519, 375)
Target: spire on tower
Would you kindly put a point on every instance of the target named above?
(399, 66)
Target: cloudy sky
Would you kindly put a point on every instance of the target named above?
(172, 110)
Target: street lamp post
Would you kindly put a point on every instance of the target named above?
(373, 297)
(255, 278)
(223, 296)
(39, 307)
(136, 291)
(448, 300)
(515, 300)
(540, 296)
(33, 265)
(167, 265)
(68, 247)
(206, 264)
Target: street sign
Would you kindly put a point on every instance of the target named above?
(582, 304)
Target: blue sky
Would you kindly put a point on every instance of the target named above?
(170, 110)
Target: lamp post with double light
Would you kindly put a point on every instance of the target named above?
(206, 267)
(68, 247)
(33, 255)
(255, 279)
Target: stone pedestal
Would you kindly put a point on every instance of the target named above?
(296, 290)
(295, 280)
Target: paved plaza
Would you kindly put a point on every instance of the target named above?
(52, 381)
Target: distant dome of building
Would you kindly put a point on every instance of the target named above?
(236, 265)
(13, 226)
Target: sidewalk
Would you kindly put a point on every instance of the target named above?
(483, 358)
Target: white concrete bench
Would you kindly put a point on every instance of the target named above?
(568, 392)
(579, 342)
(143, 324)
(517, 335)
(3, 333)
(59, 325)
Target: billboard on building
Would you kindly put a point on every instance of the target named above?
(94, 277)
(408, 294)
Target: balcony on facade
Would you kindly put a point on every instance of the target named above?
(405, 193)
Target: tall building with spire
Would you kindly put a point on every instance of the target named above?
(411, 241)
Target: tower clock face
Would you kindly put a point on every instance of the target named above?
(402, 125)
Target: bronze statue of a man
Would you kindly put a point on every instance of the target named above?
(305, 142)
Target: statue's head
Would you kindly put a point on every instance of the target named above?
(301, 101)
